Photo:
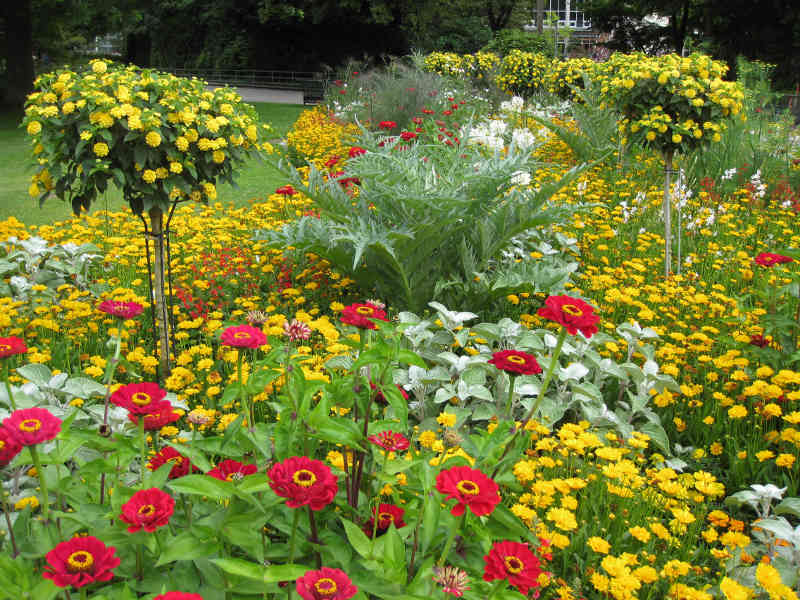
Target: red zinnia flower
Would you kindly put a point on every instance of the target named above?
(9, 446)
(303, 481)
(180, 464)
(572, 313)
(231, 470)
(331, 162)
(159, 414)
(178, 596)
(139, 398)
(390, 441)
(80, 561)
(386, 515)
(31, 426)
(759, 340)
(387, 125)
(407, 135)
(326, 584)
(148, 510)
(356, 151)
(515, 361)
(768, 259)
(286, 190)
(9, 346)
(515, 562)
(243, 336)
(123, 310)
(359, 314)
(470, 488)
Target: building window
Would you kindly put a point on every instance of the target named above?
(569, 12)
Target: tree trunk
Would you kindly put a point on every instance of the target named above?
(137, 49)
(540, 16)
(160, 307)
(18, 51)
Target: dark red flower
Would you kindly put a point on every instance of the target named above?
(9, 446)
(572, 313)
(178, 596)
(759, 340)
(286, 190)
(122, 310)
(470, 488)
(513, 561)
(31, 426)
(180, 464)
(243, 336)
(231, 470)
(148, 510)
(356, 151)
(390, 441)
(515, 361)
(332, 161)
(387, 125)
(386, 514)
(303, 481)
(768, 259)
(407, 135)
(326, 584)
(139, 398)
(160, 414)
(359, 314)
(80, 561)
(9, 346)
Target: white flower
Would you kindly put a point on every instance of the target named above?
(523, 139)
(521, 178)
(769, 491)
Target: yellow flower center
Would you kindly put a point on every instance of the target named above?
(304, 478)
(2, 444)
(513, 565)
(365, 310)
(385, 517)
(141, 399)
(4, 347)
(80, 562)
(241, 335)
(325, 586)
(572, 310)
(147, 510)
(470, 488)
(30, 425)
(517, 360)
(175, 460)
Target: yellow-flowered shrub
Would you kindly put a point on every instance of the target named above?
(523, 73)
(156, 136)
(316, 137)
(479, 66)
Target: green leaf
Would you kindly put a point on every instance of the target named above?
(249, 570)
(195, 455)
(789, 506)
(187, 547)
(339, 431)
(430, 522)
(36, 373)
(357, 538)
(202, 485)
(394, 555)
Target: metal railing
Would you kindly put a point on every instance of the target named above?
(312, 84)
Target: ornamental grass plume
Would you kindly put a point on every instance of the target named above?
(80, 561)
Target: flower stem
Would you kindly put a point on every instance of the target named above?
(542, 391)
(42, 483)
(457, 525)
(8, 387)
(143, 444)
(242, 392)
(14, 551)
(293, 539)
(510, 401)
(314, 539)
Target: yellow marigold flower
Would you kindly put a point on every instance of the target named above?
(427, 439)
(218, 156)
(31, 502)
(99, 66)
(646, 574)
(562, 518)
(598, 544)
(764, 455)
(181, 143)
(640, 533)
(153, 139)
(175, 167)
(734, 591)
(785, 460)
(675, 568)
(446, 419)
(100, 149)
(737, 412)
(149, 176)
(769, 578)
(34, 127)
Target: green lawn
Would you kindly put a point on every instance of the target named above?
(256, 179)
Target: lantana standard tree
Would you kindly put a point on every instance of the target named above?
(675, 103)
(159, 138)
